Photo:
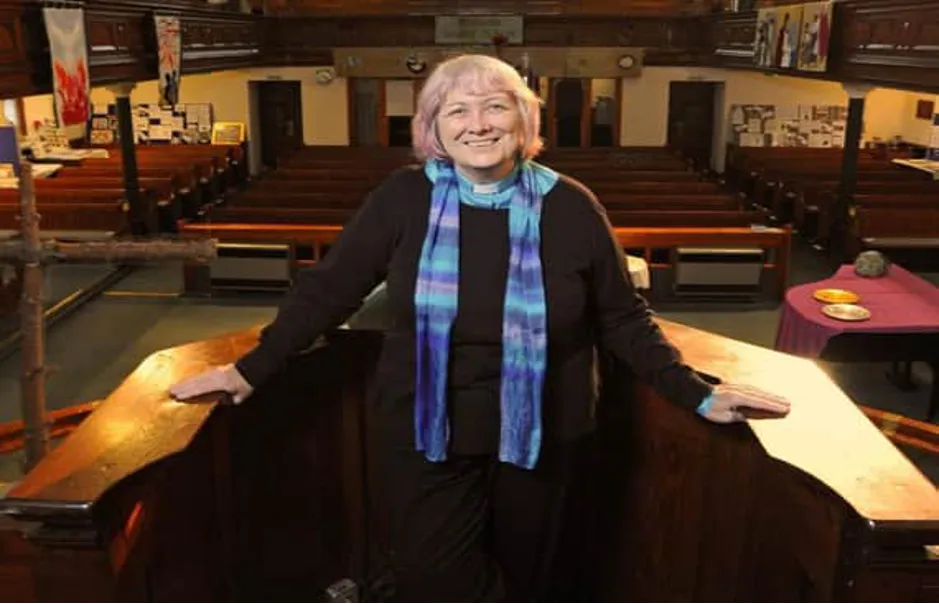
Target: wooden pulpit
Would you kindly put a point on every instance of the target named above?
(273, 500)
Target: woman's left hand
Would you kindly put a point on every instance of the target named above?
(736, 403)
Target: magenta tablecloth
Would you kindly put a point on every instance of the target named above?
(900, 302)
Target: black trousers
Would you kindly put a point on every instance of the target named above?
(474, 529)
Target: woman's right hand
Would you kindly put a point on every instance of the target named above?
(225, 378)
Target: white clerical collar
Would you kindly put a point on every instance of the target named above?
(486, 188)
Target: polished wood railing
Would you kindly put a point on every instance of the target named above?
(278, 497)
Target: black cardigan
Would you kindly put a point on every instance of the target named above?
(590, 302)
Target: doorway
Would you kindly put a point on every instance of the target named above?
(604, 112)
(400, 103)
(691, 120)
(569, 112)
(281, 115)
(367, 124)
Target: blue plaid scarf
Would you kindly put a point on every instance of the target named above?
(524, 328)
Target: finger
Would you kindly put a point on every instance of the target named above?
(761, 399)
(754, 413)
(779, 405)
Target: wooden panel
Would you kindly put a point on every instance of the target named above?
(15, 66)
(213, 43)
(890, 42)
(283, 494)
(666, 41)
(117, 50)
(731, 38)
(484, 7)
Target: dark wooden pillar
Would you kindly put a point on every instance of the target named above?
(841, 217)
(137, 212)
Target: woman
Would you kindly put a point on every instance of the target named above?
(502, 278)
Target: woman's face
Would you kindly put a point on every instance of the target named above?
(481, 132)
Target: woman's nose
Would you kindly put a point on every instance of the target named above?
(477, 121)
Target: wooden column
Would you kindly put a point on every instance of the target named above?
(138, 212)
(841, 221)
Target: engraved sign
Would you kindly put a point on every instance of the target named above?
(478, 29)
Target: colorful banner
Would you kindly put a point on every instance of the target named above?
(65, 28)
(777, 37)
(169, 48)
(816, 32)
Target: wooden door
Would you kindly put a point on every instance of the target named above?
(691, 120)
(569, 111)
(368, 126)
(605, 112)
(281, 114)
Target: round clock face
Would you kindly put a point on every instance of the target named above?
(415, 64)
(626, 61)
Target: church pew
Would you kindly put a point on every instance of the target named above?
(55, 207)
(769, 186)
(884, 201)
(783, 206)
(659, 246)
(375, 176)
(228, 161)
(896, 231)
(71, 216)
(273, 184)
(658, 217)
(275, 499)
(809, 197)
(283, 199)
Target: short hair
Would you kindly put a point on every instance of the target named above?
(479, 73)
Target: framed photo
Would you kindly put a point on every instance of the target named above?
(228, 133)
(925, 109)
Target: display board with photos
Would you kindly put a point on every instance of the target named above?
(188, 124)
(794, 36)
(787, 125)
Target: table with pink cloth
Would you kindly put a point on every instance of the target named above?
(899, 302)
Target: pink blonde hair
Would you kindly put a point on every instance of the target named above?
(478, 73)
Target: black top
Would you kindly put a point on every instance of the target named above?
(590, 301)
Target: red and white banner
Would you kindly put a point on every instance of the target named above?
(169, 49)
(65, 28)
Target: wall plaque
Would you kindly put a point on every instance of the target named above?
(478, 29)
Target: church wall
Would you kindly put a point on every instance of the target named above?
(325, 108)
(645, 102)
(887, 113)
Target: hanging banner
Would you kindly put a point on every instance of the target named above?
(816, 31)
(65, 28)
(169, 48)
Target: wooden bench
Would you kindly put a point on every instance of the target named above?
(55, 206)
(813, 200)
(896, 228)
(660, 246)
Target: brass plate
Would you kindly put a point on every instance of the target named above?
(836, 296)
(846, 312)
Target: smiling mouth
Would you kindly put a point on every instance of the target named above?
(488, 142)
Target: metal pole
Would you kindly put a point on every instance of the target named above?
(138, 213)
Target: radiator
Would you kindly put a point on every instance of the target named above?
(718, 271)
(251, 266)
